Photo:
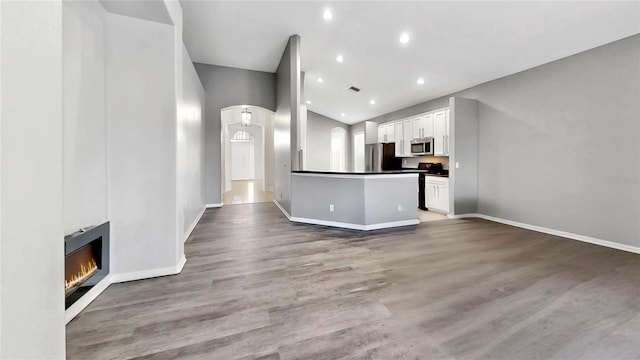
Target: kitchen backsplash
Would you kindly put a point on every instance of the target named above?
(412, 162)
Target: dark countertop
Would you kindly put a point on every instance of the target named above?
(385, 172)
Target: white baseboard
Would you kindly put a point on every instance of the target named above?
(583, 238)
(193, 226)
(92, 294)
(214, 205)
(146, 274)
(282, 209)
(86, 299)
(181, 263)
(356, 226)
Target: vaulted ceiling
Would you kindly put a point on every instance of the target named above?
(452, 45)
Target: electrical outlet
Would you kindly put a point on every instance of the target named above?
(330, 207)
(404, 162)
(399, 207)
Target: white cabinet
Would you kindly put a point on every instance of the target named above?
(407, 136)
(427, 131)
(423, 126)
(417, 127)
(437, 194)
(398, 137)
(386, 133)
(441, 133)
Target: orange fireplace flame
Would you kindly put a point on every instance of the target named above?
(86, 270)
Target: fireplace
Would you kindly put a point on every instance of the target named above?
(86, 261)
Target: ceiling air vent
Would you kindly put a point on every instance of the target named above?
(354, 89)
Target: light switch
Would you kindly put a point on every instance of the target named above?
(330, 207)
(457, 165)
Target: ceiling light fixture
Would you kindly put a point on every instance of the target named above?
(245, 117)
(342, 114)
(327, 15)
(339, 58)
(420, 81)
(404, 38)
(320, 80)
(372, 102)
(308, 102)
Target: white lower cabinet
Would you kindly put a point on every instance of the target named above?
(437, 194)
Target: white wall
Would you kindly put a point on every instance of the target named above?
(84, 109)
(191, 145)
(141, 117)
(31, 220)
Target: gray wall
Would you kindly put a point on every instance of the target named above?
(319, 141)
(191, 144)
(141, 118)
(558, 144)
(84, 109)
(31, 213)
(356, 200)
(286, 118)
(225, 86)
(463, 137)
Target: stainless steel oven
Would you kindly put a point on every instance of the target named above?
(422, 146)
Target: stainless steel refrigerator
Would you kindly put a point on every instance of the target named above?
(381, 157)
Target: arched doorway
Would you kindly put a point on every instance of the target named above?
(246, 155)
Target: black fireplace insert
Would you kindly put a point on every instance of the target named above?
(86, 261)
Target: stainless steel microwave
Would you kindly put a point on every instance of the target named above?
(422, 146)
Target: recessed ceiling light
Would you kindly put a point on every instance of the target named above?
(339, 58)
(404, 38)
(308, 102)
(327, 15)
(420, 81)
(372, 102)
(342, 114)
(320, 80)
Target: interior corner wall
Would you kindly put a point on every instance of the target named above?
(463, 184)
(141, 143)
(84, 110)
(285, 129)
(191, 144)
(31, 210)
(558, 144)
(319, 141)
(224, 87)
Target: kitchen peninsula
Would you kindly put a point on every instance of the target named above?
(355, 200)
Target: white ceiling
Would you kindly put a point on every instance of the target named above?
(454, 45)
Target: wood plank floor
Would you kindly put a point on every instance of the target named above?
(258, 287)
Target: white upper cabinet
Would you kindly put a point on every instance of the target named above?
(417, 127)
(382, 133)
(434, 124)
(407, 136)
(391, 132)
(386, 133)
(428, 125)
(399, 138)
(441, 133)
